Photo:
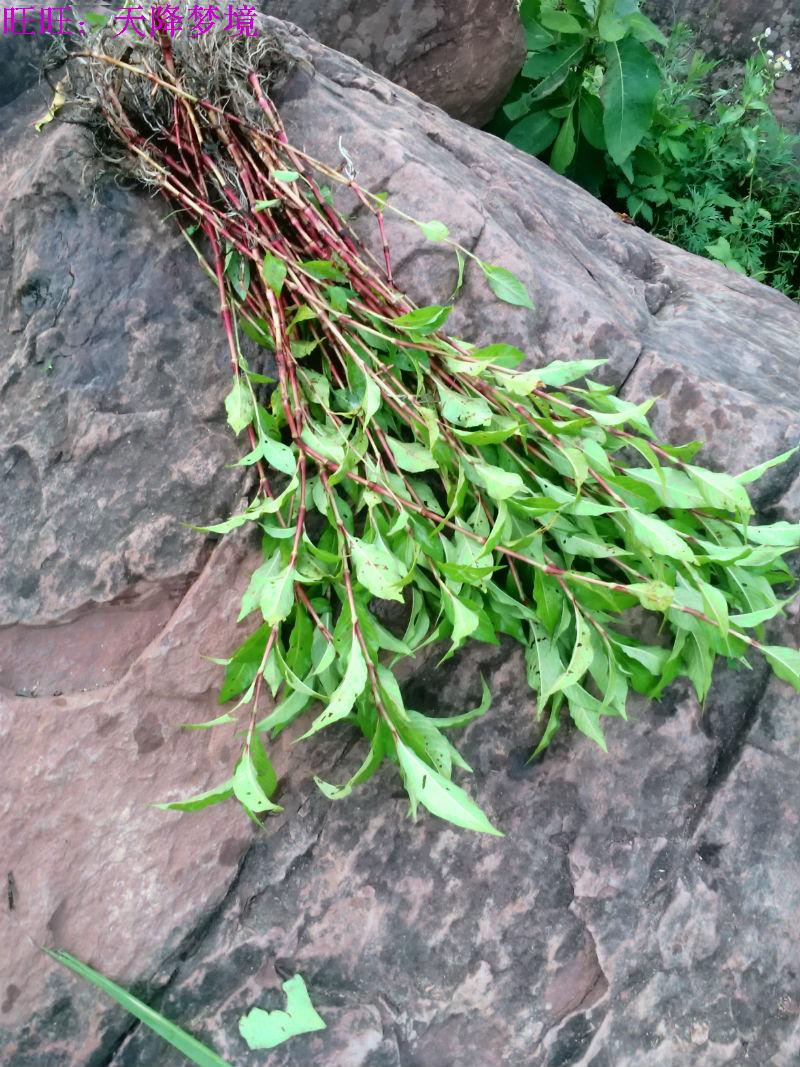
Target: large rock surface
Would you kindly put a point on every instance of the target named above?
(461, 56)
(642, 908)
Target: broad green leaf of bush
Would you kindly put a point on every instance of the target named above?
(629, 96)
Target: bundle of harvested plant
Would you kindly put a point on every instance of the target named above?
(396, 463)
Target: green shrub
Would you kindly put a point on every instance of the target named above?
(589, 85)
(635, 118)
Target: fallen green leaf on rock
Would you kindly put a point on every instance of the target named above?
(267, 1029)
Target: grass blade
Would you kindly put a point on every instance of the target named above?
(193, 1049)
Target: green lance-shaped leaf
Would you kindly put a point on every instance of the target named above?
(785, 662)
(253, 781)
(239, 406)
(629, 95)
(411, 456)
(585, 715)
(346, 693)
(755, 472)
(323, 270)
(500, 484)
(463, 411)
(465, 621)
(268, 1029)
(370, 765)
(581, 658)
(533, 133)
(561, 372)
(553, 68)
(273, 271)
(201, 800)
(564, 146)
(434, 230)
(425, 320)
(721, 490)
(449, 722)
(506, 286)
(242, 667)
(659, 537)
(279, 456)
(277, 596)
(427, 787)
(560, 21)
(716, 606)
(779, 534)
(188, 1046)
(377, 569)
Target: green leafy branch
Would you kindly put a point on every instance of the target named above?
(398, 467)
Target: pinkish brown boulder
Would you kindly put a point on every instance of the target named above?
(641, 909)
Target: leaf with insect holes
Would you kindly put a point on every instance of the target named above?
(443, 798)
(492, 502)
(506, 286)
(346, 693)
(251, 786)
(277, 596)
(579, 662)
(279, 456)
(268, 1029)
(655, 596)
(377, 569)
(195, 1051)
(239, 406)
(463, 411)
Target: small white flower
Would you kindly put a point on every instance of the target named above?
(767, 31)
(787, 53)
(770, 53)
(788, 66)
